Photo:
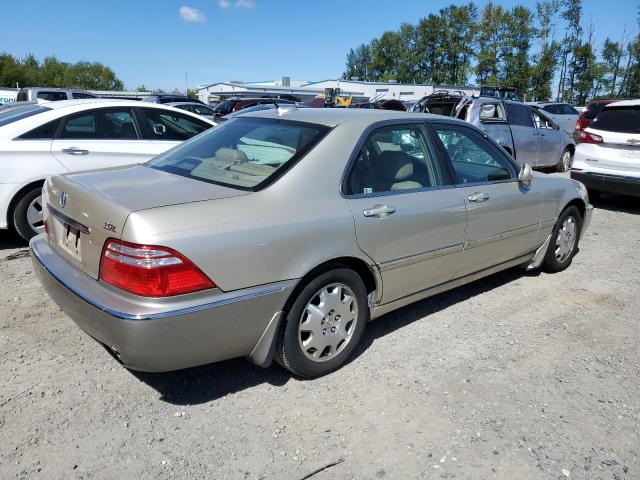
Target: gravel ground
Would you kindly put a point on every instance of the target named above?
(516, 376)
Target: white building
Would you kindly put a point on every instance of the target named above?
(359, 90)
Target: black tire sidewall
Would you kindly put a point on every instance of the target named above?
(560, 166)
(551, 263)
(20, 222)
(291, 355)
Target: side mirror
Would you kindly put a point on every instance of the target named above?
(525, 176)
(159, 129)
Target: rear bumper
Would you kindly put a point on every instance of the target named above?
(166, 334)
(601, 182)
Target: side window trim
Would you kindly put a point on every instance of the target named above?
(148, 130)
(385, 124)
(500, 150)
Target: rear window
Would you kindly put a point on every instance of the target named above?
(52, 96)
(594, 109)
(618, 119)
(244, 153)
(13, 114)
(519, 115)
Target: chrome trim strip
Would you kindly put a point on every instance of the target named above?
(503, 236)
(548, 223)
(420, 257)
(68, 220)
(167, 314)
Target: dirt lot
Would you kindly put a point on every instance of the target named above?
(517, 376)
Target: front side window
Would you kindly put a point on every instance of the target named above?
(519, 115)
(101, 125)
(201, 110)
(394, 159)
(474, 158)
(173, 126)
(245, 153)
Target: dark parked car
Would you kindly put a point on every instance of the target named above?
(170, 99)
(234, 104)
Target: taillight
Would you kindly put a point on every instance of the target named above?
(582, 122)
(587, 137)
(150, 271)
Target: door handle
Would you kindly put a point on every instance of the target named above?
(379, 211)
(75, 151)
(478, 197)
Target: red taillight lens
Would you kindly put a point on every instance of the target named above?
(586, 137)
(150, 271)
(582, 122)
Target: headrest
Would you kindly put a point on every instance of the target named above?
(231, 155)
(393, 166)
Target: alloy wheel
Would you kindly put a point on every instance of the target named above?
(34, 215)
(566, 239)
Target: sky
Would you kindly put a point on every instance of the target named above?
(155, 43)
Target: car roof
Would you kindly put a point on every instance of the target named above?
(624, 103)
(335, 116)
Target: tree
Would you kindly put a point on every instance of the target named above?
(571, 14)
(611, 56)
(583, 72)
(491, 31)
(515, 49)
(545, 62)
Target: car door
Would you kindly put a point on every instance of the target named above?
(101, 137)
(407, 216)
(493, 121)
(524, 132)
(503, 216)
(167, 128)
(550, 141)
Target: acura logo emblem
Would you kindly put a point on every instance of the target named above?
(64, 196)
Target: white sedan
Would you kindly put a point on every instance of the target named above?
(37, 141)
(607, 157)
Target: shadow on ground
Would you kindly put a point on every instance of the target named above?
(617, 203)
(210, 382)
(10, 240)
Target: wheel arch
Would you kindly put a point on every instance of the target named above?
(16, 198)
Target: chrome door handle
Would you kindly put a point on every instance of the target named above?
(379, 211)
(75, 151)
(478, 197)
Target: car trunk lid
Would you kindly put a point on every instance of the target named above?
(85, 209)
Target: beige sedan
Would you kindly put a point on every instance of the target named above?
(281, 234)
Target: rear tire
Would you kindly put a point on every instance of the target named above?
(564, 241)
(324, 324)
(565, 161)
(27, 214)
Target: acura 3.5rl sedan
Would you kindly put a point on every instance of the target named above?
(282, 233)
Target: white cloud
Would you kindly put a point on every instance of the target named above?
(192, 15)
(224, 3)
(244, 4)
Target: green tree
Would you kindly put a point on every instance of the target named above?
(491, 32)
(515, 49)
(611, 55)
(583, 73)
(572, 14)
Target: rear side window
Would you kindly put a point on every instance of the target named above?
(519, 115)
(173, 126)
(618, 119)
(393, 159)
(101, 125)
(43, 132)
(52, 96)
(83, 95)
(567, 109)
(553, 109)
(13, 114)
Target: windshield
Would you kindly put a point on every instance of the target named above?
(18, 112)
(244, 153)
(618, 119)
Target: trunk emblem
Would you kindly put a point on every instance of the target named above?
(64, 196)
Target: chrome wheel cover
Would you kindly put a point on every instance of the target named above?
(328, 322)
(34, 215)
(566, 239)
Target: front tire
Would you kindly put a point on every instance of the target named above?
(565, 161)
(324, 324)
(564, 241)
(27, 214)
